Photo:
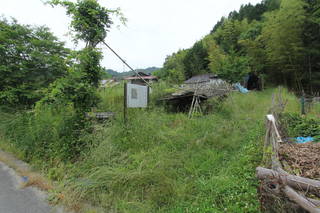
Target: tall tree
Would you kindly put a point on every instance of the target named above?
(196, 60)
(311, 41)
(173, 68)
(227, 36)
(30, 59)
(253, 47)
(284, 45)
(90, 24)
(216, 56)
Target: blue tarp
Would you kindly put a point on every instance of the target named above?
(241, 88)
(304, 139)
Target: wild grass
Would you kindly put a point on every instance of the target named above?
(165, 162)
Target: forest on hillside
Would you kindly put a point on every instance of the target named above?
(276, 39)
(119, 75)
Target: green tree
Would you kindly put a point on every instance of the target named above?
(228, 35)
(196, 60)
(30, 59)
(253, 47)
(282, 35)
(173, 68)
(234, 68)
(90, 21)
(311, 42)
(90, 24)
(272, 4)
(216, 56)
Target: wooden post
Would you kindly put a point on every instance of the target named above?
(191, 107)
(148, 97)
(303, 111)
(125, 104)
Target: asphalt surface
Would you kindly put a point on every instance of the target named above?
(14, 199)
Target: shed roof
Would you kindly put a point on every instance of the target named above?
(201, 78)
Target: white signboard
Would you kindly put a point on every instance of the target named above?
(137, 96)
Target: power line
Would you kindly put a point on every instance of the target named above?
(123, 61)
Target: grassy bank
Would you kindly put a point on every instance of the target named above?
(159, 162)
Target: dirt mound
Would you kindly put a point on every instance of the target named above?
(303, 159)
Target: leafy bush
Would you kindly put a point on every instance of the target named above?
(71, 90)
(296, 125)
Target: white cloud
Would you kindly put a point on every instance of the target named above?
(155, 28)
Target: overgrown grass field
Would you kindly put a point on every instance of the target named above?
(158, 162)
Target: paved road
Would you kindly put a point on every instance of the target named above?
(14, 199)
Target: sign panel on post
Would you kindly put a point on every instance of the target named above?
(137, 96)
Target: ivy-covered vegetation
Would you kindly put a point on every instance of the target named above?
(275, 38)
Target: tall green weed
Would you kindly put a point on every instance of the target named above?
(47, 134)
(162, 162)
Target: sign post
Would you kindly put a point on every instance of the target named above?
(135, 96)
(125, 104)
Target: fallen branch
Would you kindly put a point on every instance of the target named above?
(299, 183)
(299, 199)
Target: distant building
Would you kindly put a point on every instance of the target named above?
(108, 83)
(141, 79)
(103, 83)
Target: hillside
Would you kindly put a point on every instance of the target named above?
(276, 40)
(116, 74)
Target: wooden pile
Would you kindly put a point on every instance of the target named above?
(101, 115)
(275, 181)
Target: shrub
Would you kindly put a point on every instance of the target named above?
(296, 125)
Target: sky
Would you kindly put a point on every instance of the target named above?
(154, 30)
